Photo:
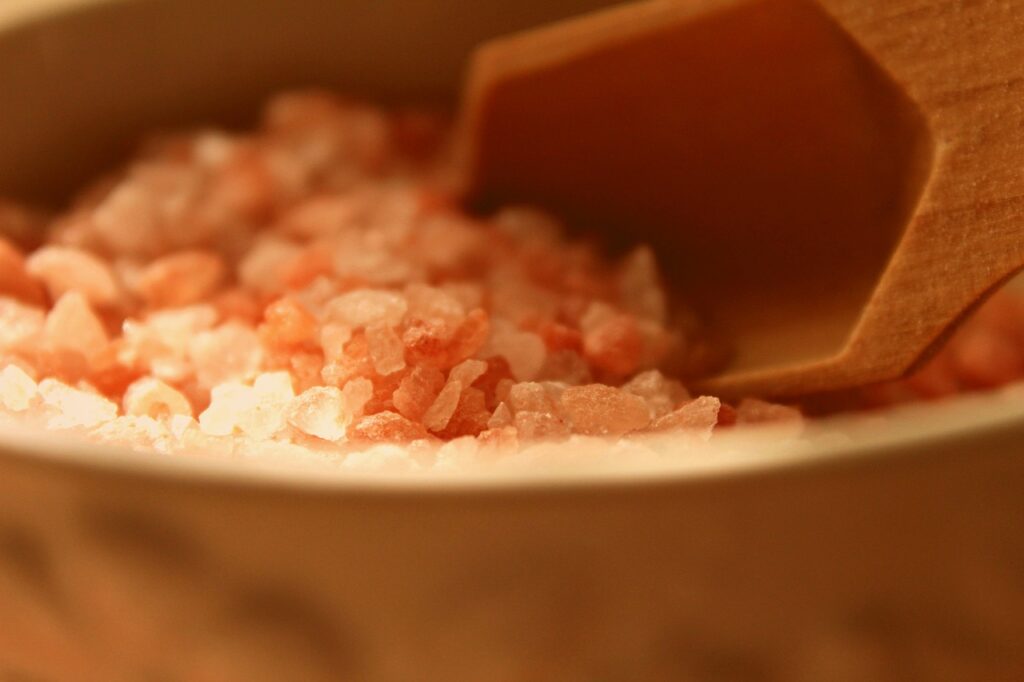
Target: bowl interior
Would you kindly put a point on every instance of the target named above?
(84, 83)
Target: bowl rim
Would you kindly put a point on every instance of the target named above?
(911, 431)
(958, 425)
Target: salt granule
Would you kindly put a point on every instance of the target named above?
(366, 306)
(597, 409)
(150, 397)
(74, 407)
(20, 324)
(319, 411)
(386, 349)
(72, 325)
(65, 269)
(17, 389)
(440, 411)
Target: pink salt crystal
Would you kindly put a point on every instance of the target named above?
(566, 365)
(365, 306)
(321, 216)
(502, 417)
(333, 338)
(428, 303)
(530, 396)
(21, 225)
(467, 371)
(597, 409)
(386, 427)
(440, 411)
(153, 398)
(528, 224)
(640, 289)
(63, 269)
(698, 416)
(319, 411)
(72, 325)
(470, 416)
(262, 267)
(15, 280)
(287, 324)
(535, 425)
(74, 407)
(417, 392)
(229, 352)
(662, 394)
(181, 278)
(754, 411)
(614, 346)
(356, 394)
(386, 348)
(524, 351)
(20, 324)
(983, 357)
(17, 389)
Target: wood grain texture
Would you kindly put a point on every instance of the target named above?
(834, 182)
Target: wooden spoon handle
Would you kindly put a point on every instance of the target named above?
(963, 64)
(840, 179)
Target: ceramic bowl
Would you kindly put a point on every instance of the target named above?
(884, 548)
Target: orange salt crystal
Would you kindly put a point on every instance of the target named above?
(417, 392)
(287, 324)
(597, 409)
(441, 410)
(470, 416)
(15, 280)
(180, 278)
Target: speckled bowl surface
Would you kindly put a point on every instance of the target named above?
(884, 548)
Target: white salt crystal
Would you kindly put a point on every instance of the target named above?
(319, 411)
(74, 407)
(153, 398)
(19, 324)
(17, 389)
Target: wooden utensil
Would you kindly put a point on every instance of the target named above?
(833, 183)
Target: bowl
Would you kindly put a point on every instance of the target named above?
(874, 548)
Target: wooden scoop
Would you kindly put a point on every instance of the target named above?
(832, 183)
